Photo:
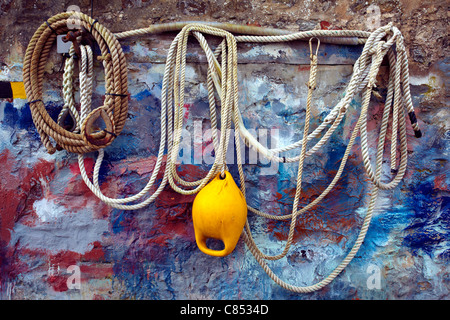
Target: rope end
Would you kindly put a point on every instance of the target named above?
(418, 133)
(413, 119)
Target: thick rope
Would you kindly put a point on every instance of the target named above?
(222, 79)
(116, 83)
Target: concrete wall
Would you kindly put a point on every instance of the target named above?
(50, 221)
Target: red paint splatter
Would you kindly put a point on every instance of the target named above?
(78, 196)
(253, 24)
(187, 106)
(95, 271)
(169, 198)
(173, 212)
(57, 269)
(324, 25)
(58, 282)
(20, 186)
(301, 68)
(96, 254)
(191, 172)
(91, 266)
(64, 259)
(440, 183)
(325, 219)
(88, 164)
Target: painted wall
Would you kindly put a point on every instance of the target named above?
(50, 221)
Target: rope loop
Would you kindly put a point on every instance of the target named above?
(311, 48)
(89, 127)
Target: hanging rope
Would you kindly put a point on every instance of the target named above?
(53, 135)
(222, 83)
(260, 257)
(172, 103)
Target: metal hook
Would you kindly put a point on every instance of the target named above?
(72, 36)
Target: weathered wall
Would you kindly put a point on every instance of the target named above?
(50, 220)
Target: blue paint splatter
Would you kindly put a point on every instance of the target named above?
(17, 118)
(429, 228)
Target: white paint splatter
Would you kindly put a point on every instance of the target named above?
(60, 231)
(48, 210)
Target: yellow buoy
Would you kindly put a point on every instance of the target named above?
(219, 212)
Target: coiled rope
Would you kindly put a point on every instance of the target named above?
(222, 80)
(116, 100)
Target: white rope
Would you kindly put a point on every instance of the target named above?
(222, 79)
(361, 122)
(69, 101)
(172, 107)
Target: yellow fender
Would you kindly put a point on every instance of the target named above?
(219, 212)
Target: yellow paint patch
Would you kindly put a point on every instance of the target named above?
(18, 90)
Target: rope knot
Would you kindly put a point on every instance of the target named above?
(311, 48)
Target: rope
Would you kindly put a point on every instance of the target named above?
(54, 136)
(222, 80)
(376, 61)
(382, 48)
